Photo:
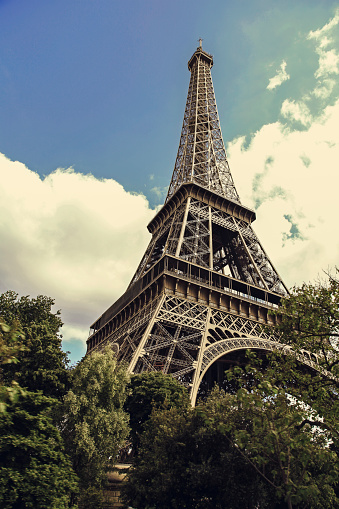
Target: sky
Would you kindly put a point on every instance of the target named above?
(92, 98)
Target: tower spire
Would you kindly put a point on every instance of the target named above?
(201, 156)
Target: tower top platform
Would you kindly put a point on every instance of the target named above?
(200, 54)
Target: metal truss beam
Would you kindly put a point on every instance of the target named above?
(205, 285)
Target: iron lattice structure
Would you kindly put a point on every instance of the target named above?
(201, 155)
(205, 286)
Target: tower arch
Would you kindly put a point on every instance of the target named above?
(216, 351)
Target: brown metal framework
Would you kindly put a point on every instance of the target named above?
(205, 285)
(201, 156)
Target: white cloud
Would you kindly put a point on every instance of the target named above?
(289, 172)
(160, 192)
(296, 111)
(321, 34)
(70, 236)
(279, 78)
(325, 89)
(328, 58)
(328, 63)
(293, 177)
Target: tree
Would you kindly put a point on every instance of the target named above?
(310, 323)
(95, 424)
(280, 441)
(35, 472)
(291, 398)
(148, 391)
(185, 462)
(43, 364)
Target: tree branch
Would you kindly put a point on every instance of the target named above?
(320, 424)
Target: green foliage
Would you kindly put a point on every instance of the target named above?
(233, 451)
(11, 344)
(293, 407)
(29, 310)
(90, 415)
(184, 462)
(148, 391)
(95, 424)
(277, 439)
(42, 362)
(310, 322)
(34, 470)
(310, 318)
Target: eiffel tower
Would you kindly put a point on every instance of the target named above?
(205, 285)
